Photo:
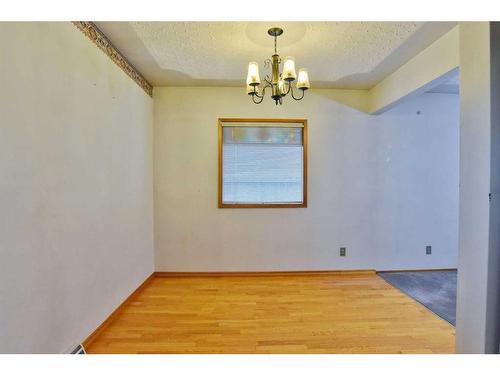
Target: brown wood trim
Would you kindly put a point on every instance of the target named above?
(275, 120)
(91, 31)
(259, 120)
(267, 273)
(264, 205)
(219, 156)
(418, 270)
(90, 339)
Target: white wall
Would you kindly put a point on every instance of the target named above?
(383, 186)
(478, 297)
(76, 231)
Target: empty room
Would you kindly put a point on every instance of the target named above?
(249, 187)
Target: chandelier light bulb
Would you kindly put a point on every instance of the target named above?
(281, 87)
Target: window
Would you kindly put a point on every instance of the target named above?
(262, 163)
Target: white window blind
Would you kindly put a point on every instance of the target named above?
(262, 165)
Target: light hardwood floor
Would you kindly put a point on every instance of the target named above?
(274, 314)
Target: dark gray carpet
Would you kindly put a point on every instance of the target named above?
(437, 290)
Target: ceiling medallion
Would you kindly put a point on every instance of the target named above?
(280, 84)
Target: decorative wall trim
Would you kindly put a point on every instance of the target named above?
(95, 35)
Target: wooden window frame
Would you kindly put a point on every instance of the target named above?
(304, 160)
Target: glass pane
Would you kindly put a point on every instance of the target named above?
(262, 134)
(262, 166)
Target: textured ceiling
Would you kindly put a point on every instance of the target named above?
(336, 54)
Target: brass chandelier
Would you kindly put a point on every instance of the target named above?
(280, 84)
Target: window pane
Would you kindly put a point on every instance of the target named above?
(262, 165)
(262, 134)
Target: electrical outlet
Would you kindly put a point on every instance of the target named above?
(428, 250)
(342, 251)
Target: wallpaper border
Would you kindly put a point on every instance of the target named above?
(91, 31)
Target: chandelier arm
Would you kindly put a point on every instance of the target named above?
(261, 97)
(289, 88)
(265, 87)
(259, 101)
(293, 96)
(256, 94)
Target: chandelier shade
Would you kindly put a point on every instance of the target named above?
(279, 83)
(253, 77)
(303, 81)
(289, 69)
